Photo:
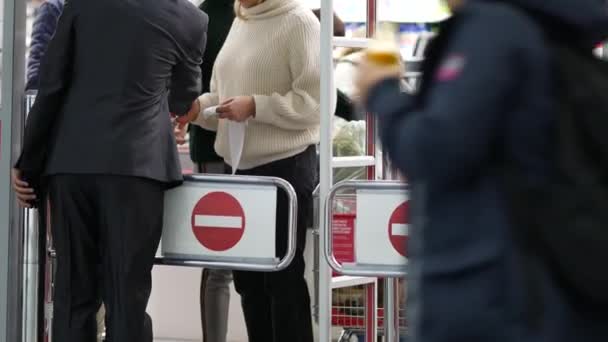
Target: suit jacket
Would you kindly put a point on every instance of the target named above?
(113, 72)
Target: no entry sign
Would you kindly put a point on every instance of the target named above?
(218, 221)
(398, 228)
(382, 227)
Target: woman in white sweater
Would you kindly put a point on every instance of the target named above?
(267, 74)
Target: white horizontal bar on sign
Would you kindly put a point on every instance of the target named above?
(345, 281)
(413, 59)
(360, 161)
(213, 221)
(400, 229)
(351, 42)
(412, 74)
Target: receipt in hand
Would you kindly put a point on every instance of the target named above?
(210, 112)
(236, 139)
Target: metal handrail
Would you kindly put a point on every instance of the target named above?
(358, 269)
(251, 265)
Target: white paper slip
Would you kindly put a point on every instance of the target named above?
(236, 139)
(210, 112)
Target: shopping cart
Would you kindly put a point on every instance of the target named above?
(351, 312)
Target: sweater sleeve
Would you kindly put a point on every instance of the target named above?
(207, 100)
(43, 30)
(299, 108)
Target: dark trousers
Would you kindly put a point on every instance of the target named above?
(277, 305)
(106, 227)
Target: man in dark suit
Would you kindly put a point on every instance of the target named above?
(100, 136)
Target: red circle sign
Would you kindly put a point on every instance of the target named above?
(218, 221)
(398, 228)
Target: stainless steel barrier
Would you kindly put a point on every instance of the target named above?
(33, 262)
(362, 269)
(31, 276)
(397, 193)
(241, 263)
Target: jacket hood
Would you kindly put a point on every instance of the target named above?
(587, 18)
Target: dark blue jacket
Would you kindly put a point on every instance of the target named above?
(43, 30)
(486, 98)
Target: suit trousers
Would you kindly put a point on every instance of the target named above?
(277, 305)
(108, 228)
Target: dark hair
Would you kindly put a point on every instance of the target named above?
(339, 30)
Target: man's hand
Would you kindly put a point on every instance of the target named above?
(237, 109)
(25, 194)
(192, 114)
(370, 74)
(180, 131)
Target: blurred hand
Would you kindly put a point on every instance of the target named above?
(192, 115)
(180, 131)
(237, 109)
(25, 194)
(370, 74)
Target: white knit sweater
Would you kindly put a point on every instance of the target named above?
(273, 56)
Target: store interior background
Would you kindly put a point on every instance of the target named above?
(174, 304)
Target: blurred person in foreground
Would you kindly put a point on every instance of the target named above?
(100, 139)
(267, 74)
(486, 100)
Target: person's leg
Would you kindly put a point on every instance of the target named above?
(202, 291)
(214, 289)
(291, 307)
(101, 323)
(75, 235)
(290, 303)
(200, 168)
(131, 216)
(217, 303)
(148, 329)
(215, 168)
(256, 305)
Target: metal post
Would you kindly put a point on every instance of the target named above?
(33, 265)
(31, 277)
(371, 312)
(373, 172)
(391, 311)
(327, 106)
(11, 217)
(372, 18)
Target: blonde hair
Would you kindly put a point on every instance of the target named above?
(238, 7)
